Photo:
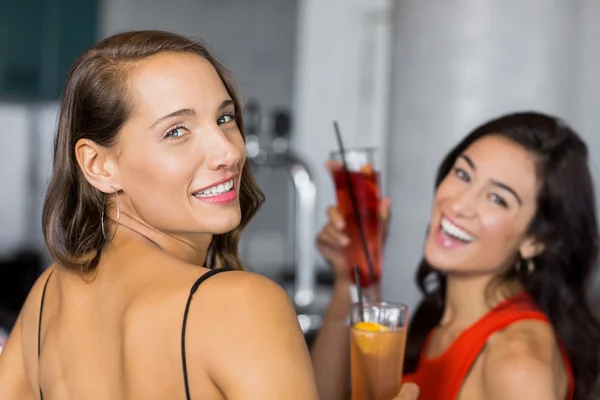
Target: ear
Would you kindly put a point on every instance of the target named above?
(530, 248)
(98, 165)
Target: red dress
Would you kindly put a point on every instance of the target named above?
(442, 377)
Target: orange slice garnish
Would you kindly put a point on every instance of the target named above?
(369, 338)
(371, 327)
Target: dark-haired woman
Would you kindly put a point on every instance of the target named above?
(512, 243)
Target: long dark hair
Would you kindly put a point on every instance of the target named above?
(565, 222)
(95, 106)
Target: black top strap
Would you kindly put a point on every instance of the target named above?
(184, 325)
(39, 344)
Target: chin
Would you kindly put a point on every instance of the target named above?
(438, 259)
(222, 225)
(460, 265)
(434, 263)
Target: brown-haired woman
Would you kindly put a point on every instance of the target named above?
(148, 198)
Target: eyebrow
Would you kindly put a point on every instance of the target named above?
(178, 113)
(226, 103)
(189, 112)
(501, 185)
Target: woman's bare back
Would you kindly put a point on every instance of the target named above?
(118, 336)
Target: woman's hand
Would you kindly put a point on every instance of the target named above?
(332, 240)
(409, 391)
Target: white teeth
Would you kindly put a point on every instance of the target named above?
(215, 190)
(452, 230)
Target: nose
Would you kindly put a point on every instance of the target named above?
(464, 203)
(221, 150)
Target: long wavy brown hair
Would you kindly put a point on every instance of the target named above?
(95, 106)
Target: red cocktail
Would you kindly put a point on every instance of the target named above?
(365, 183)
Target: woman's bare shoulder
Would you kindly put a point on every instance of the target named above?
(163, 294)
(525, 354)
(170, 289)
(243, 330)
(30, 312)
(533, 337)
(18, 365)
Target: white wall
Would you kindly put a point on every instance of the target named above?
(254, 38)
(28, 135)
(588, 91)
(13, 177)
(342, 73)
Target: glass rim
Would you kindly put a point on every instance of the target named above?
(379, 304)
(390, 331)
(363, 149)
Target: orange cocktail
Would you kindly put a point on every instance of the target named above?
(377, 344)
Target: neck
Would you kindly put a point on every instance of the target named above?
(468, 298)
(191, 249)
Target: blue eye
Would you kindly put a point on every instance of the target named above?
(176, 133)
(226, 118)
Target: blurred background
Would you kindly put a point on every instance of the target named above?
(410, 77)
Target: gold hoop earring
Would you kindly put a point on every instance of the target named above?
(117, 221)
(530, 266)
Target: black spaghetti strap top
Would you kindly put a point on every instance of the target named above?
(183, 326)
(39, 344)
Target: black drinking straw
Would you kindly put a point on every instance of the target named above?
(359, 292)
(361, 231)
